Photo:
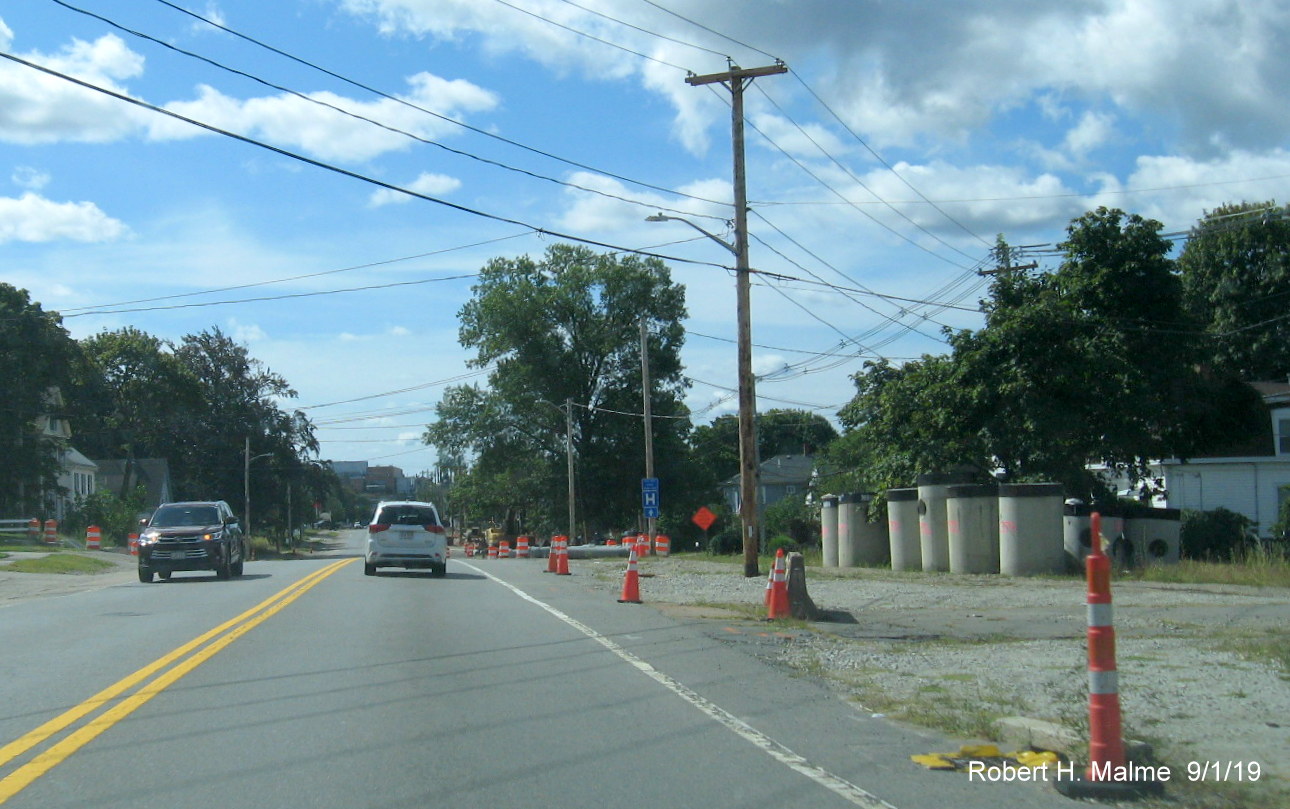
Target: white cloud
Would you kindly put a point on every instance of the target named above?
(433, 185)
(903, 76)
(38, 108)
(29, 178)
(246, 332)
(32, 218)
(327, 131)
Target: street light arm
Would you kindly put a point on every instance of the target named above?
(658, 217)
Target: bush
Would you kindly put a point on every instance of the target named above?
(726, 543)
(787, 543)
(1214, 535)
(793, 518)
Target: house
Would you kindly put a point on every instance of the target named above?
(153, 474)
(1252, 479)
(76, 473)
(778, 478)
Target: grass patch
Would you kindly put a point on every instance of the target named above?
(74, 563)
(1267, 644)
(1253, 568)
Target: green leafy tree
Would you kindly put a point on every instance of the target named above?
(567, 328)
(36, 354)
(1088, 363)
(238, 399)
(715, 446)
(132, 398)
(1236, 283)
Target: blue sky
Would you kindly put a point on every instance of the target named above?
(906, 136)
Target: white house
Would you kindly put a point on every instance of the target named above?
(1253, 484)
(76, 472)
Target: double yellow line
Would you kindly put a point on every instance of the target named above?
(226, 633)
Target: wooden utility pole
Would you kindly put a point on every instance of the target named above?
(736, 79)
(568, 450)
(648, 410)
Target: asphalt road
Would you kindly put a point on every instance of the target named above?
(306, 683)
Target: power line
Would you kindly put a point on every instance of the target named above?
(235, 287)
(593, 37)
(446, 119)
(604, 16)
(264, 298)
(342, 171)
(884, 162)
(356, 116)
(860, 182)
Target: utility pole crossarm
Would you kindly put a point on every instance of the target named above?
(736, 72)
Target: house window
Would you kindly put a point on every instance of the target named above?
(1283, 437)
(790, 489)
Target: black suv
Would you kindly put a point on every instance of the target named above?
(192, 536)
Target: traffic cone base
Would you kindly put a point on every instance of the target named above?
(631, 582)
(779, 606)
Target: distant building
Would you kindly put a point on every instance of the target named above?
(352, 473)
(153, 474)
(778, 478)
(76, 472)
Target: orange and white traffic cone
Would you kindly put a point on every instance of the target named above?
(631, 582)
(779, 607)
(553, 554)
(562, 564)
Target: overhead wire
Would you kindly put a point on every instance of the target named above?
(446, 119)
(342, 171)
(359, 117)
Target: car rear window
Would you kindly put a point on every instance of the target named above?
(407, 515)
(190, 515)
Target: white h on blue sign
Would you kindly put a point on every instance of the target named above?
(650, 497)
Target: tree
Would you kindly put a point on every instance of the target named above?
(238, 399)
(1088, 363)
(567, 328)
(779, 432)
(132, 398)
(36, 354)
(1236, 283)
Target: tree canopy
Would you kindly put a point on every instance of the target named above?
(1236, 282)
(566, 328)
(36, 354)
(1070, 368)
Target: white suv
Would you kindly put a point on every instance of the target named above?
(407, 534)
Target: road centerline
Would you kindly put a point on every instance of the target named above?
(190, 655)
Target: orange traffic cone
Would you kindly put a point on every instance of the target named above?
(552, 554)
(770, 587)
(631, 582)
(562, 564)
(779, 607)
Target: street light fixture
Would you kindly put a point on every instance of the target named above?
(246, 484)
(748, 516)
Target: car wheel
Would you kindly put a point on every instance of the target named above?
(225, 570)
(439, 571)
(145, 575)
(369, 569)
(164, 575)
(237, 568)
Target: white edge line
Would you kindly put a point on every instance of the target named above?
(739, 727)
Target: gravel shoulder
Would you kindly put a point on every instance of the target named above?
(955, 651)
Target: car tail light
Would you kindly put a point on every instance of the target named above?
(377, 528)
(434, 529)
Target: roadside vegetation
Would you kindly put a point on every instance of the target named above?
(59, 562)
